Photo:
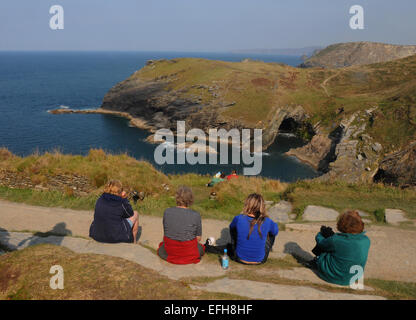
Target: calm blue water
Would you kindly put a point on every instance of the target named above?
(33, 82)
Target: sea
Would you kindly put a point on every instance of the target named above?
(31, 83)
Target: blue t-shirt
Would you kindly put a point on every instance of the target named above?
(253, 249)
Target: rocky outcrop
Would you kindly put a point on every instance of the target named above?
(347, 153)
(148, 100)
(356, 155)
(159, 107)
(315, 152)
(70, 184)
(210, 94)
(296, 114)
(398, 168)
(134, 121)
(357, 53)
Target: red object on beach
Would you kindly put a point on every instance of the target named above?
(181, 252)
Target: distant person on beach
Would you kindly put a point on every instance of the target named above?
(338, 252)
(216, 179)
(182, 231)
(233, 175)
(252, 234)
(114, 218)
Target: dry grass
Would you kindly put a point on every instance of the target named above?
(366, 197)
(99, 167)
(25, 275)
(141, 176)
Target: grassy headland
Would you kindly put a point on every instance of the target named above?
(250, 91)
(98, 167)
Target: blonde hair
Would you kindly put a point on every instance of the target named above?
(255, 205)
(184, 197)
(114, 187)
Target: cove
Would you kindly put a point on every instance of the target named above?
(34, 82)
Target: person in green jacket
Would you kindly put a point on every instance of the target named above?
(343, 250)
(216, 180)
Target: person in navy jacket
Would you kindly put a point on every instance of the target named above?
(114, 218)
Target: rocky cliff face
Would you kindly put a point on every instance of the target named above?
(315, 152)
(149, 101)
(347, 152)
(347, 135)
(296, 114)
(159, 106)
(399, 168)
(357, 53)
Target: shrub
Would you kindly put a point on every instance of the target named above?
(96, 155)
(100, 178)
(380, 215)
(69, 191)
(5, 154)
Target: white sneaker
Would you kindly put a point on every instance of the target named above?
(211, 241)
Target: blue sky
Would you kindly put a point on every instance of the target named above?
(196, 25)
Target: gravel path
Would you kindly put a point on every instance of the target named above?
(144, 257)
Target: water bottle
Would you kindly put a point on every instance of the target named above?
(225, 260)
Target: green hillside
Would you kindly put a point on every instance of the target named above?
(249, 91)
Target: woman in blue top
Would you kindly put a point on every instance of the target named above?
(252, 233)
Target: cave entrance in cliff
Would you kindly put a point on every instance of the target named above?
(289, 125)
(383, 177)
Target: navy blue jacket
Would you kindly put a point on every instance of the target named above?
(110, 223)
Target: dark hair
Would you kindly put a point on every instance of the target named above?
(222, 175)
(184, 197)
(350, 222)
(254, 204)
(234, 172)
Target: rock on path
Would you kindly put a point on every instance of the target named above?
(395, 216)
(280, 212)
(316, 213)
(270, 291)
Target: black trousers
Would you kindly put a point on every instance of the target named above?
(231, 251)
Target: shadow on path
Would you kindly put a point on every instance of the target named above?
(303, 257)
(58, 230)
(4, 237)
(224, 238)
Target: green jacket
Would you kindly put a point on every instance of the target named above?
(341, 252)
(216, 180)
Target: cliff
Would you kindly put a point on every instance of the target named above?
(399, 168)
(357, 53)
(352, 117)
